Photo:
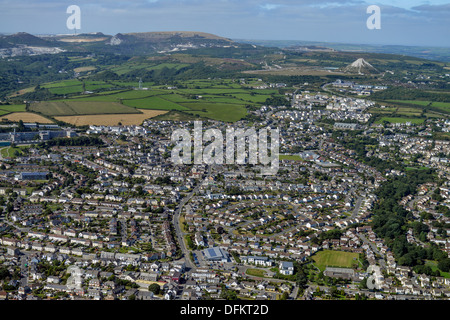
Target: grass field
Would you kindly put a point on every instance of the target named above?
(124, 95)
(112, 119)
(217, 111)
(155, 103)
(11, 152)
(399, 120)
(256, 272)
(433, 265)
(72, 107)
(13, 108)
(221, 99)
(438, 106)
(331, 258)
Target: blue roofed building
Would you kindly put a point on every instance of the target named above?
(216, 254)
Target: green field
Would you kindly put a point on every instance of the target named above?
(13, 108)
(73, 107)
(399, 120)
(217, 99)
(331, 258)
(12, 152)
(290, 157)
(217, 111)
(256, 272)
(6, 109)
(155, 103)
(123, 95)
(434, 105)
(433, 265)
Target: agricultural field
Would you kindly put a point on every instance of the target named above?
(13, 108)
(223, 103)
(217, 99)
(112, 119)
(26, 117)
(155, 103)
(331, 258)
(443, 107)
(217, 111)
(73, 107)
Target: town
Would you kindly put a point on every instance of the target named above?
(103, 213)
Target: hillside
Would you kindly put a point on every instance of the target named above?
(22, 38)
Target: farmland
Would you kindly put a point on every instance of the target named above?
(111, 120)
(222, 99)
(26, 117)
(71, 108)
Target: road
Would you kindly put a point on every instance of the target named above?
(374, 249)
(23, 260)
(176, 223)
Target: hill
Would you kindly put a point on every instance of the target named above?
(166, 41)
(22, 38)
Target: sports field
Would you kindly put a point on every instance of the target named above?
(332, 258)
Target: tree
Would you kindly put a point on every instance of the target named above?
(444, 264)
(155, 288)
(284, 296)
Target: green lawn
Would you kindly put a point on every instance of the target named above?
(433, 266)
(331, 258)
(11, 152)
(256, 272)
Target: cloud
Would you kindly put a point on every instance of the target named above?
(443, 8)
(270, 6)
(320, 20)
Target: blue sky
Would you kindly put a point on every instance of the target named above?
(403, 22)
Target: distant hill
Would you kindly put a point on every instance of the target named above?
(22, 38)
(163, 35)
(166, 41)
(429, 53)
(124, 43)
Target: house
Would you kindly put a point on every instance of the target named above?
(286, 268)
(262, 261)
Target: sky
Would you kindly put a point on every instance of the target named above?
(402, 22)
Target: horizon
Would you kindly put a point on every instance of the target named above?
(233, 39)
(407, 23)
